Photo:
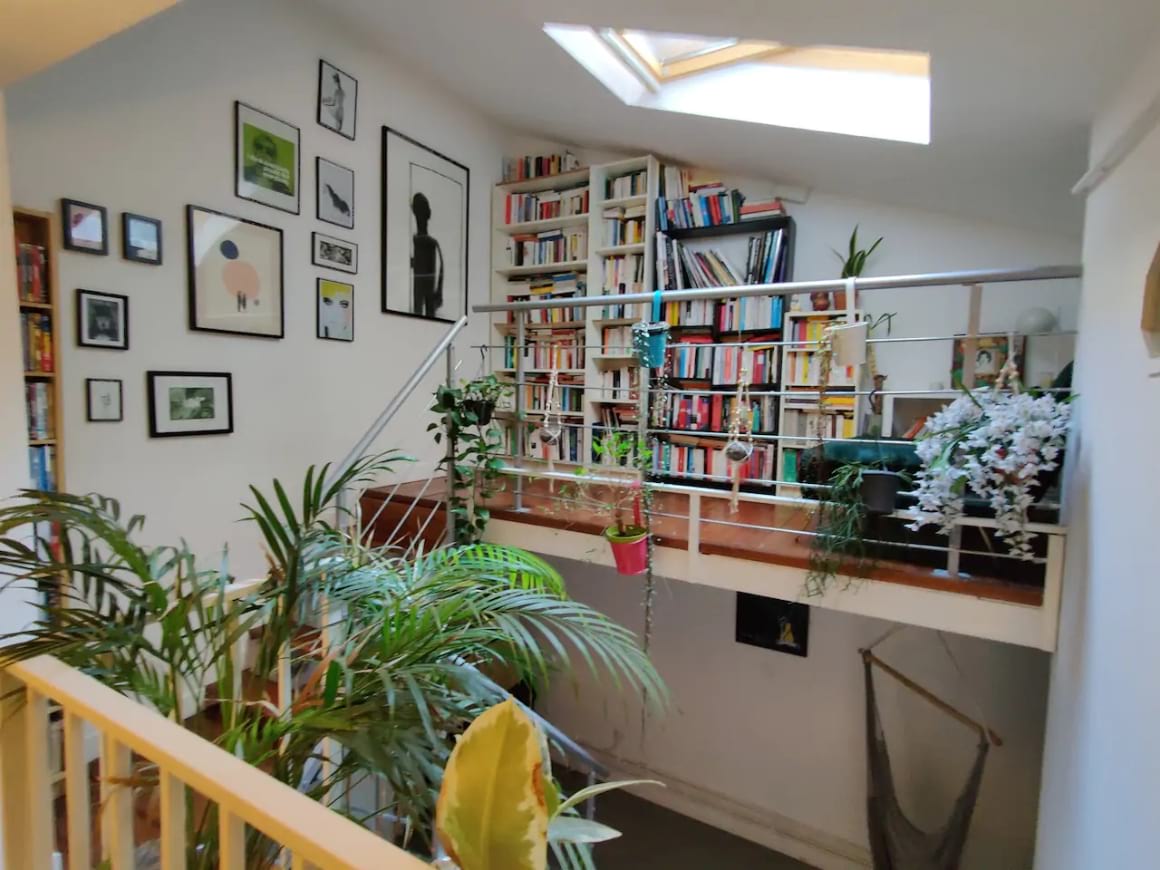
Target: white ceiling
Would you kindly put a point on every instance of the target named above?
(1014, 87)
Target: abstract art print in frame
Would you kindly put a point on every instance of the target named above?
(103, 400)
(337, 99)
(267, 163)
(335, 203)
(140, 239)
(335, 253)
(102, 320)
(235, 274)
(335, 310)
(424, 234)
(85, 226)
(189, 403)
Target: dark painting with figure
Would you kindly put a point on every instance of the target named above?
(104, 320)
(426, 262)
(436, 238)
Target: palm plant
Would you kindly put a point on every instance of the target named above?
(410, 642)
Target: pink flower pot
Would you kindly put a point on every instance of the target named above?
(630, 550)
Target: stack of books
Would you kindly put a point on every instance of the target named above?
(679, 266)
(633, 184)
(537, 166)
(38, 407)
(684, 203)
(567, 449)
(548, 247)
(41, 467)
(624, 226)
(524, 207)
(751, 211)
(36, 341)
(766, 260)
(561, 284)
(560, 350)
(750, 313)
(623, 273)
(618, 385)
(699, 412)
(808, 423)
(695, 459)
(31, 269)
(616, 341)
(759, 361)
(535, 395)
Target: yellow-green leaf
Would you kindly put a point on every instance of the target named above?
(492, 813)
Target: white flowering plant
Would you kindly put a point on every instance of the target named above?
(995, 444)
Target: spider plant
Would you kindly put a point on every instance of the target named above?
(412, 642)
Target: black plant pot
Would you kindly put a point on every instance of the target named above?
(481, 408)
(879, 491)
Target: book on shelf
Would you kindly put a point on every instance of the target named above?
(569, 448)
(42, 467)
(548, 247)
(534, 394)
(791, 463)
(631, 184)
(538, 165)
(558, 349)
(38, 408)
(623, 273)
(623, 226)
(36, 341)
(680, 457)
(701, 412)
(32, 273)
(616, 341)
(618, 385)
(560, 285)
(523, 207)
(766, 208)
(683, 201)
(811, 424)
(750, 313)
(766, 262)
(679, 266)
(804, 367)
(698, 357)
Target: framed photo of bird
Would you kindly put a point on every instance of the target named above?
(337, 99)
(335, 193)
(267, 160)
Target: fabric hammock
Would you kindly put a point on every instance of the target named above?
(895, 842)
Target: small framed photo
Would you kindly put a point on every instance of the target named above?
(335, 253)
(991, 354)
(267, 161)
(335, 310)
(86, 227)
(103, 400)
(337, 99)
(335, 193)
(189, 403)
(102, 320)
(140, 239)
(782, 626)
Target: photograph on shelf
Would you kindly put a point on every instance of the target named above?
(335, 310)
(189, 403)
(267, 163)
(235, 274)
(335, 253)
(103, 400)
(990, 357)
(140, 239)
(85, 226)
(335, 193)
(424, 241)
(337, 99)
(102, 320)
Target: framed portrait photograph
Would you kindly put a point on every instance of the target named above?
(335, 193)
(335, 310)
(103, 400)
(424, 242)
(140, 239)
(235, 274)
(189, 403)
(337, 99)
(102, 320)
(334, 253)
(267, 161)
(990, 356)
(85, 226)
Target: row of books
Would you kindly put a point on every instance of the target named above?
(623, 274)
(673, 458)
(766, 261)
(624, 226)
(559, 284)
(569, 447)
(550, 246)
(812, 424)
(559, 349)
(32, 273)
(707, 207)
(691, 312)
(804, 368)
(750, 313)
(535, 395)
(36, 341)
(618, 385)
(523, 207)
(42, 467)
(697, 357)
(633, 184)
(38, 409)
(697, 412)
(538, 165)
(616, 340)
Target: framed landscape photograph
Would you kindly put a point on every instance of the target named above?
(335, 310)
(102, 320)
(337, 99)
(424, 236)
(140, 239)
(85, 227)
(335, 193)
(235, 274)
(267, 162)
(103, 400)
(189, 403)
(335, 253)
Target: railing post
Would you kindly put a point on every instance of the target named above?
(1052, 586)
(116, 803)
(231, 840)
(449, 532)
(14, 774)
(78, 795)
(172, 823)
(518, 495)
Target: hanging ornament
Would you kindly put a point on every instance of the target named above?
(739, 447)
(650, 339)
(552, 430)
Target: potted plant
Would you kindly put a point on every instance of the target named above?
(481, 395)
(853, 263)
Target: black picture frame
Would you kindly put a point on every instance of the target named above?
(317, 240)
(386, 251)
(770, 623)
(66, 227)
(155, 431)
(318, 306)
(330, 122)
(89, 418)
(192, 272)
(86, 334)
(132, 254)
(330, 206)
(270, 199)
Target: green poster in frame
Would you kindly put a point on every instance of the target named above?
(267, 159)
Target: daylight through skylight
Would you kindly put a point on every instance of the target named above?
(853, 91)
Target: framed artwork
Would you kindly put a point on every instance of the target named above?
(335, 253)
(990, 357)
(337, 99)
(86, 227)
(267, 161)
(235, 274)
(770, 623)
(189, 403)
(102, 320)
(140, 239)
(103, 400)
(335, 310)
(335, 202)
(424, 241)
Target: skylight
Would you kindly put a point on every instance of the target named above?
(853, 91)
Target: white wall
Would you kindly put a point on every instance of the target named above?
(1101, 780)
(144, 123)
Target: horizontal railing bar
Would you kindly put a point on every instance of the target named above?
(937, 279)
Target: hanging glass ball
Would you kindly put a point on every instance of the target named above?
(550, 435)
(738, 451)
